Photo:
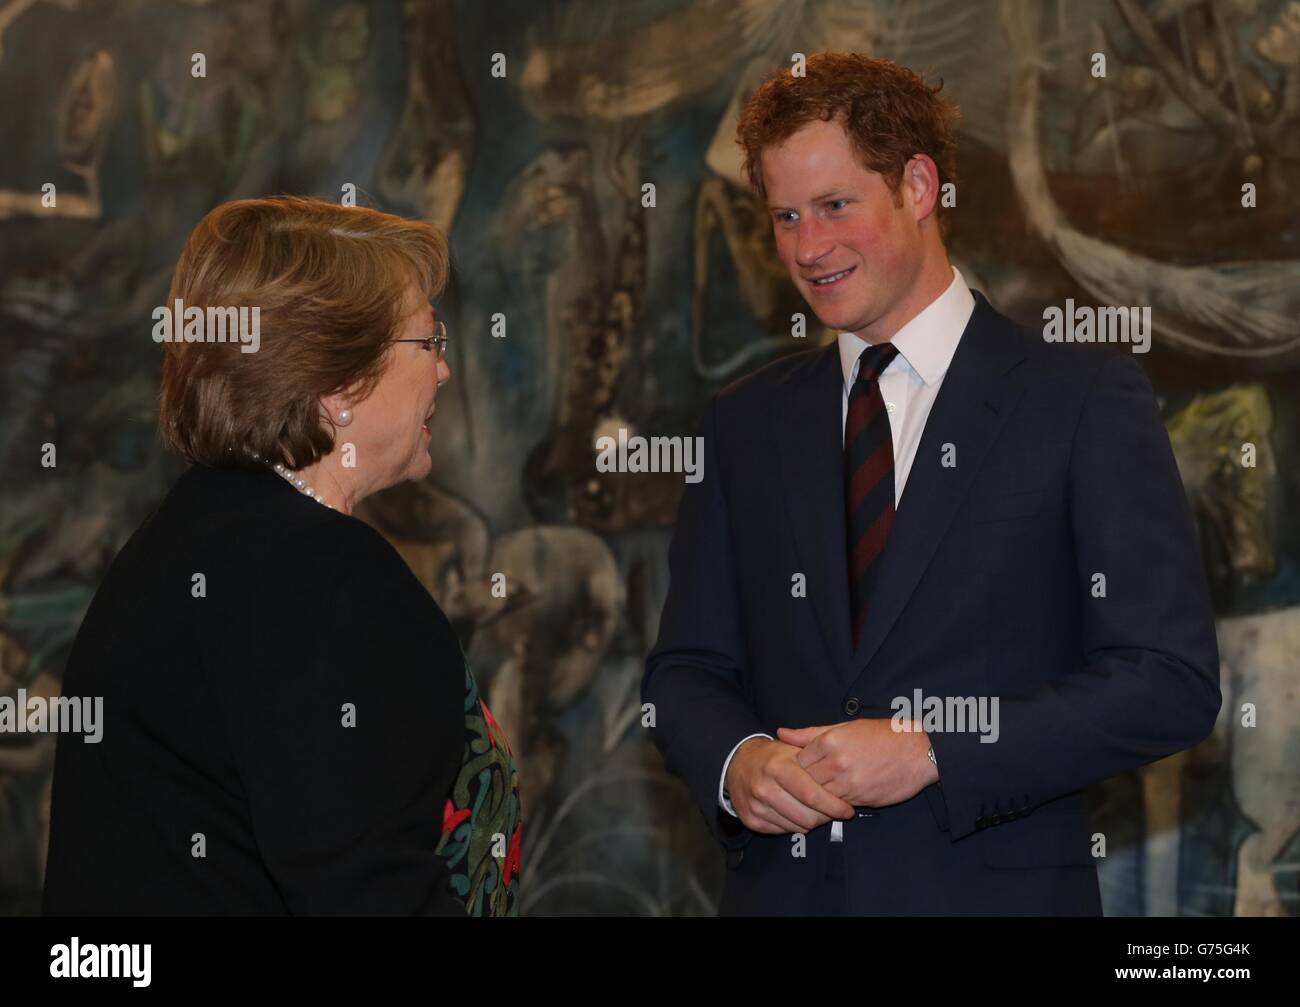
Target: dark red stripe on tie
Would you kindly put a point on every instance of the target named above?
(871, 471)
(860, 420)
(871, 545)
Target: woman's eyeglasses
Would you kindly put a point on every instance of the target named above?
(436, 342)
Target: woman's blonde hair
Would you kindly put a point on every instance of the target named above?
(331, 285)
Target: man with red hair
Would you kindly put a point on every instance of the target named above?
(890, 703)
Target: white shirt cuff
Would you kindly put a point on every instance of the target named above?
(723, 801)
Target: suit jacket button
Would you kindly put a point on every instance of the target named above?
(981, 823)
(852, 706)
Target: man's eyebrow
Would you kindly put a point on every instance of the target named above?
(815, 199)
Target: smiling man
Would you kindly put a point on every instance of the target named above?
(827, 638)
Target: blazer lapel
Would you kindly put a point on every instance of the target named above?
(809, 434)
(978, 393)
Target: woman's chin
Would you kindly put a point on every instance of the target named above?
(421, 466)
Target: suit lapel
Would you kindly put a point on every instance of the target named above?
(978, 393)
(809, 433)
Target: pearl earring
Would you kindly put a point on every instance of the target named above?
(345, 417)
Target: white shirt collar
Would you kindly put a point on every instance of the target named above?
(928, 341)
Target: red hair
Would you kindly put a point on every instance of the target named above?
(888, 112)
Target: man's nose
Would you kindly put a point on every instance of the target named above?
(444, 372)
(811, 244)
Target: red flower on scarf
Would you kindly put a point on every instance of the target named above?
(451, 817)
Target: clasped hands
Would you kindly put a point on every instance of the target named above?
(811, 775)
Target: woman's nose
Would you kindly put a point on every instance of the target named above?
(444, 372)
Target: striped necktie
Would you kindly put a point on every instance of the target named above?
(868, 479)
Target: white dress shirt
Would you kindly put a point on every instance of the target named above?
(909, 386)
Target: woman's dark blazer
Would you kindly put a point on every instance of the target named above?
(283, 718)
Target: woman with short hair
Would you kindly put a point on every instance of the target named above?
(289, 722)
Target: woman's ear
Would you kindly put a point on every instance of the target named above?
(337, 408)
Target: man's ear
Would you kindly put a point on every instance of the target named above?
(921, 178)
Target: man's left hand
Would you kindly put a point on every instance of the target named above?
(866, 762)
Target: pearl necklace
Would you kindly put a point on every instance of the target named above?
(294, 480)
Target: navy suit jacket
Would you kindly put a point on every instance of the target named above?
(987, 588)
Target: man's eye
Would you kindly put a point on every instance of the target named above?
(785, 217)
(838, 204)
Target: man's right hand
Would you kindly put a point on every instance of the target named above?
(772, 793)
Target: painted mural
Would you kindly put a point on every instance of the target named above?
(528, 131)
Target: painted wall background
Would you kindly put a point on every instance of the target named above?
(1124, 190)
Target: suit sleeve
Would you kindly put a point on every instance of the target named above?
(694, 672)
(351, 744)
(1147, 684)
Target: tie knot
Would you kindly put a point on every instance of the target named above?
(874, 360)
